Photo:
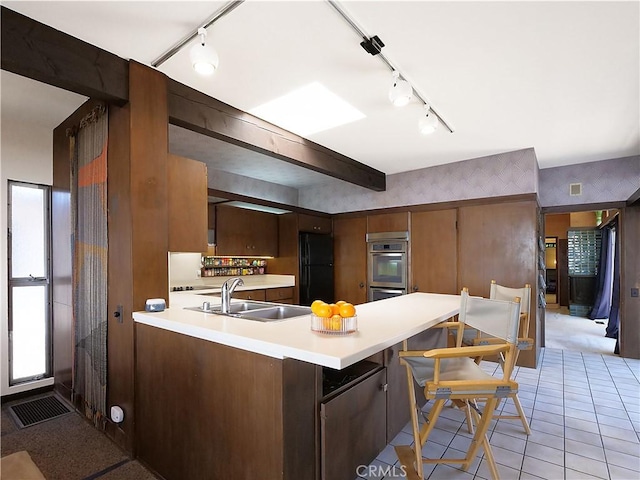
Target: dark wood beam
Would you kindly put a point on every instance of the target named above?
(196, 111)
(231, 197)
(35, 50)
(634, 198)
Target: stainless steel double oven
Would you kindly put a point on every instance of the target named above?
(387, 264)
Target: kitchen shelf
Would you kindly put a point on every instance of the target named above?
(232, 266)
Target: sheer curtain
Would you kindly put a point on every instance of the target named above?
(89, 242)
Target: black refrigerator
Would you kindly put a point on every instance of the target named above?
(316, 268)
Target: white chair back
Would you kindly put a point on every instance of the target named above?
(498, 292)
(498, 318)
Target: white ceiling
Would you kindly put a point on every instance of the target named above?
(562, 77)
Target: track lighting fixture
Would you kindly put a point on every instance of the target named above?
(204, 58)
(400, 92)
(428, 122)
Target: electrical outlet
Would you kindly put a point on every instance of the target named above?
(634, 292)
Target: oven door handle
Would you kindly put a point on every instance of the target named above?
(384, 290)
(376, 254)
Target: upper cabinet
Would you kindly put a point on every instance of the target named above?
(187, 205)
(388, 222)
(433, 265)
(243, 232)
(313, 224)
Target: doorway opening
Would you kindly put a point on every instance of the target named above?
(29, 271)
(573, 246)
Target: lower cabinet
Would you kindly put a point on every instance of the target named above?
(258, 295)
(279, 295)
(352, 421)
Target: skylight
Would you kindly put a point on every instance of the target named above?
(308, 110)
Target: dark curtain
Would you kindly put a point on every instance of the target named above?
(614, 315)
(602, 304)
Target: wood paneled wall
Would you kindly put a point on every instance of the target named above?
(499, 242)
(630, 278)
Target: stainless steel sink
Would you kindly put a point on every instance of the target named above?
(259, 311)
(234, 307)
(280, 312)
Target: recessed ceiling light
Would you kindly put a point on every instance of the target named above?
(308, 110)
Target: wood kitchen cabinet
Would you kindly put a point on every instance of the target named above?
(313, 224)
(245, 232)
(388, 222)
(350, 259)
(258, 295)
(187, 197)
(433, 260)
(279, 295)
(362, 408)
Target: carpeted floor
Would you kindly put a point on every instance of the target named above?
(566, 332)
(69, 448)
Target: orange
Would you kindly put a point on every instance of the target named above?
(336, 323)
(340, 302)
(335, 308)
(316, 304)
(323, 310)
(347, 310)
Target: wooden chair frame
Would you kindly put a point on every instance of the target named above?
(489, 390)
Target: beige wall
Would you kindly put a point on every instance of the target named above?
(557, 224)
(583, 219)
(25, 155)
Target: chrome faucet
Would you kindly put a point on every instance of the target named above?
(227, 289)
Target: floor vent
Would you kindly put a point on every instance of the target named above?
(32, 412)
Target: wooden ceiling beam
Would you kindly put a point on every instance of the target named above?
(34, 50)
(196, 111)
(37, 51)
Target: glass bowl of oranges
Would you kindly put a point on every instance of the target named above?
(333, 318)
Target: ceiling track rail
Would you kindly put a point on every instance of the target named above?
(221, 12)
(387, 62)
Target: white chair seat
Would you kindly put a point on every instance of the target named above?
(460, 368)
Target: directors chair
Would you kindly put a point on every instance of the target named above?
(454, 374)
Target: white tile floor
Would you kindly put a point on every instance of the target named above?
(584, 412)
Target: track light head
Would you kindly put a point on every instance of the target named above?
(400, 92)
(204, 58)
(428, 122)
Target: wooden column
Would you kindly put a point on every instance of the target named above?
(149, 192)
(138, 229)
(630, 278)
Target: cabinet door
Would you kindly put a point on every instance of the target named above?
(258, 295)
(350, 259)
(187, 205)
(279, 294)
(245, 232)
(310, 223)
(388, 222)
(434, 252)
(353, 428)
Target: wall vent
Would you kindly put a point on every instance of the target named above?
(575, 189)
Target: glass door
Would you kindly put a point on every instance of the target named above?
(29, 285)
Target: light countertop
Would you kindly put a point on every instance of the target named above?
(381, 324)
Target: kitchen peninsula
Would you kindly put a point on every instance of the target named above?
(224, 397)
